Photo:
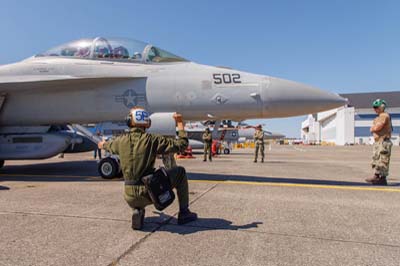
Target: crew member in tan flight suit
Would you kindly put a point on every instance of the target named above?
(207, 138)
(259, 141)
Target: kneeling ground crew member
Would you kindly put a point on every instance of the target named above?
(382, 132)
(259, 140)
(207, 138)
(137, 151)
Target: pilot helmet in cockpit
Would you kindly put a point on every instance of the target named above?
(68, 51)
(137, 56)
(120, 52)
(83, 51)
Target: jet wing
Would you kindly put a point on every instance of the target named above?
(13, 83)
(195, 134)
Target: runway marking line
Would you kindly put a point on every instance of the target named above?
(270, 184)
(230, 182)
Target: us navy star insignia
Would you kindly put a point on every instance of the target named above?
(130, 98)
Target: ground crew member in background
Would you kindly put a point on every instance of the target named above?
(137, 151)
(259, 141)
(97, 150)
(382, 132)
(207, 138)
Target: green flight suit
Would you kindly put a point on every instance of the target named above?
(137, 151)
(207, 138)
(259, 141)
(168, 160)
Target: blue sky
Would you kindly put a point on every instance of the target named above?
(341, 46)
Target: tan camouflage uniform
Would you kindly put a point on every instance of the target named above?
(383, 145)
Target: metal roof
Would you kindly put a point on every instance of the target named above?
(364, 100)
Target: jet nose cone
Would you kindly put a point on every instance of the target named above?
(287, 98)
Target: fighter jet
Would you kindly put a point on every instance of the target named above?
(100, 79)
(246, 132)
(227, 133)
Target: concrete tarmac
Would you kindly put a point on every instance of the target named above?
(304, 206)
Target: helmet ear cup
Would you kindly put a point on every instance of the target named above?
(128, 120)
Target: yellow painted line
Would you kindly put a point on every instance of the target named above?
(230, 182)
(297, 185)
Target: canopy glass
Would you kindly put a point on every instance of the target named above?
(113, 49)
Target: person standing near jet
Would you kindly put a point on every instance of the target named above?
(259, 141)
(207, 138)
(381, 130)
(138, 151)
(97, 151)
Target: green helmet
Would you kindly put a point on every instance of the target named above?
(379, 103)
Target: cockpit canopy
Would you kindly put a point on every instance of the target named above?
(113, 49)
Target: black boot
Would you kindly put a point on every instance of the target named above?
(186, 216)
(138, 218)
(381, 181)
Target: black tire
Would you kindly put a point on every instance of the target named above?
(1, 163)
(108, 168)
(227, 151)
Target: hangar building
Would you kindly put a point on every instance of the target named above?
(350, 124)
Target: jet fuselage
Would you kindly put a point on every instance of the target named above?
(48, 90)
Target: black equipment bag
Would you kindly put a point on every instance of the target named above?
(159, 188)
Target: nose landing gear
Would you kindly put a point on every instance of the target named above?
(109, 168)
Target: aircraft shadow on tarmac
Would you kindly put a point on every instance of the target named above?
(264, 179)
(53, 172)
(201, 224)
(84, 171)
